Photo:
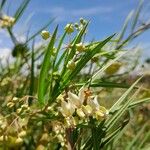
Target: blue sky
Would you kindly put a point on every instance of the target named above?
(107, 17)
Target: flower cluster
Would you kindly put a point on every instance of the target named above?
(6, 21)
(81, 107)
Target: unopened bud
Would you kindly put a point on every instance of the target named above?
(80, 47)
(19, 141)
(69, 28)
(71, 65)
(45, 34)
(10, 104)
(80, 113)
(22, 134)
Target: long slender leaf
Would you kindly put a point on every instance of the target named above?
(21, 10)
(121, 99)
(45, 68)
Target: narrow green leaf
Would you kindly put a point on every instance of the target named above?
(45, 68)
(2, 4)
(32, 75)
(21, 9)
(99, 73)
(85, 58)
(121, 99)
(135, 139)
(136, 16)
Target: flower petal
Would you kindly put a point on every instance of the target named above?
(74, 99)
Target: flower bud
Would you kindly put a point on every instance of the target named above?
(44, 138)
(2, 138)
(24, 106)
(45, 34)
(94, 59)
(19, 110)
(113, 68)
(10, 104)
(71, 65)
(22, 134)
(69, 28)
(76, 25)
(40, 147)
(87, 109)
(19, 141)
(99, 115)
(80, 47)
(15, 99)
(81, 20)
(80, 113)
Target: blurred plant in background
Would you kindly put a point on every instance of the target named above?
(72, 94)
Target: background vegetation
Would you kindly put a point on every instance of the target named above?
(70, 93)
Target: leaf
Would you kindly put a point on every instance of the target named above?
(111, 121)
(32, 75)
(2, 4)
(21, 9)
(45, 68)
(135, 139)
(121, 99)
(105, 84)
(100, 72)
(85, 58)
(136, 15)
(124, 28)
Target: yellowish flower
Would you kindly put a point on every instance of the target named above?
(80, 113)
(87, 109)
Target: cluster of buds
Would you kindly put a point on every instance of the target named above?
(58, 129)
(10, 133)
(80, 47)
(6, 21)
(20, 105)
(81, 107)
(81, 24)
(69, 28)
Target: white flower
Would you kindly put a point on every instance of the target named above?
(66, 109)
(77, 100)
(94, 103)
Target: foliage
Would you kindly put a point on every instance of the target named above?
(72, 94)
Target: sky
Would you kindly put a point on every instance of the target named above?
(106, 18)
